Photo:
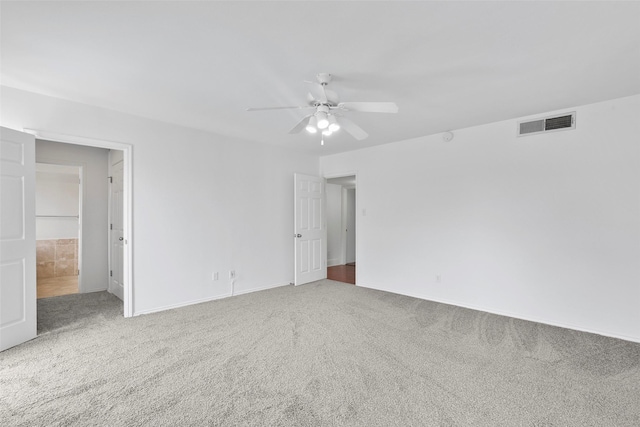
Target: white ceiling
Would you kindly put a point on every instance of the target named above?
(448, 65)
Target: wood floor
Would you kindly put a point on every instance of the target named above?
(343, 273)
(56, 286)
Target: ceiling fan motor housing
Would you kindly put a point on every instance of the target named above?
(323, 78)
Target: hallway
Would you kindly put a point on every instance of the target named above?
(57, 286)
(343, 273)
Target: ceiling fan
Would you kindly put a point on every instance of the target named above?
(327, 117)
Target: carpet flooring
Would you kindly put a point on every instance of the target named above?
(322, 354)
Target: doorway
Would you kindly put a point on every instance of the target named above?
(97, 279)
(341, 229)
(58, 229)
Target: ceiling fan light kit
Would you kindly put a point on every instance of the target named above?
(326, 103)
(334, 126)
(312, 126)
(322, 115)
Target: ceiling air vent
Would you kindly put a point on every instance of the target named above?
(547, 124)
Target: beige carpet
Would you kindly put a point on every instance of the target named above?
(323, 354)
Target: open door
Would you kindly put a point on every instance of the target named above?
(116, 229)
(310, 229)
(17, 238)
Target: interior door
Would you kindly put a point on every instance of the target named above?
(310, 229)
(17, 238)
(351, 226)
(116, 234)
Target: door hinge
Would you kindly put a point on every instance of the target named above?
(110, 226)
(110, 179)
(110, 273)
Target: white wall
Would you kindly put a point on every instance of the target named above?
(334, 224)
(201, 202)
(543, 227)
(57, 205)
(94, 240)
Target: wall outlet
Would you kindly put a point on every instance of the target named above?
(232, 274)
(438, 278)
(214, 276)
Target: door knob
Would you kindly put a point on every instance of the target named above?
(121, 238)
(297, 235)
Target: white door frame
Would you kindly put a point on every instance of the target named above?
(127, 149)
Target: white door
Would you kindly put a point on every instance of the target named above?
(351, 226)
(116, 234)
(17, 238)
(310, 229)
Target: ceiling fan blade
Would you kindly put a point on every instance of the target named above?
(311, 99)
(332, 96)
(279, 108)
(356, 131)
(301, 124)
(369, 107)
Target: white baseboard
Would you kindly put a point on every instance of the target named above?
(263, 288)
(508, 314)
(213, 298)
(182, 304)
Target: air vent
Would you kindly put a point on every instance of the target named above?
(531, 127)
(548, 124)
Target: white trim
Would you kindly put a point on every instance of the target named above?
(507, 314)
(262, 288)
(182, 304)
(213, 298)
(127, 207)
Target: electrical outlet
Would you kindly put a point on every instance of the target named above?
(232, 274)
(438, 279)
(214, 276)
